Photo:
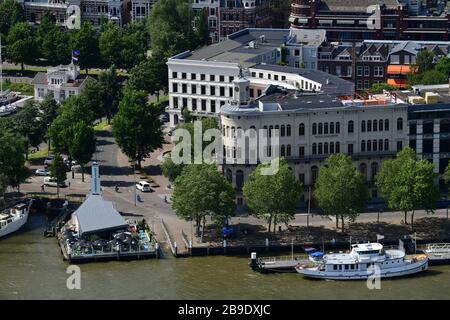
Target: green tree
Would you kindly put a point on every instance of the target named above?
(11, 13)
(20, 46)
(443, 66)
(110, 92)
(407, 184)
(49, 111)
(13, 171)
(85, 40)
(83, 144)
(51, 42)
(424, 61)
(135, 39)
(137, 127)
(340, 189)
(111, 45)
(170, 169)
(29, 124)
(273, 197)
(172, 28)
(150, 75)
(58, 171)
(201, 191)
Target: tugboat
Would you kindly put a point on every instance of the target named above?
(14, 219)
(362, 262)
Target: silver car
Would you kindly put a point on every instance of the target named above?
(42, 172)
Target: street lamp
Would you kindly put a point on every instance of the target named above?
(309, 206)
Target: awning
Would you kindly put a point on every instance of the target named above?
(399, 83)
(400, 69)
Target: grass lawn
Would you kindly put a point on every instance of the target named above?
(38, 155)
(23, 88)
(102, 126)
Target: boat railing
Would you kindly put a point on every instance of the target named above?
(282, 258)
(438, 247)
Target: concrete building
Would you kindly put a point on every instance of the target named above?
(61, 82)
(96, 11)
(202, 80)
(311, 127)
(35, 9)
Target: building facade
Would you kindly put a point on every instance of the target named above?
(140, 9)
(347, 20)
(60, 82)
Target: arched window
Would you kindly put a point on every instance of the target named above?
(338, 147)
(301, 129)
(325, 148)
(239, 179)
(374, 145)
(386, 124)
(229, 176)
(363, 145)
(265, 131)
(375, 125)
(331, 127)
(283, 130)
(338, 127)
(314, 174)
(380, 125)
(320, 128)
(252, 132)
(386, 144)
(314, 148)
(400, 124)
(325, 128)
(288, 130)
(228, 131)
(288, 150)
(233, 132)
(350, 126)
(270, 131)
(314, 128)
(369, 125)
(374, 167)
(363, 126)
(380, 145)
(363, 170)
(320, 148)
(331, 147)
(369, 146)
(283, 151)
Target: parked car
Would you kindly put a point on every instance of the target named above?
(51, 182)
(143, 186)
(42, 172)
(49, 160)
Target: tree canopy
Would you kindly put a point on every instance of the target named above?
(201, 191)
(82, 146)
(11, 13)
(12, 160)
(137, 127)
(20, 46)
(340, 189)
(272, 197)
(407, 184)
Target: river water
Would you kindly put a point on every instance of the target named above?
(31, 267)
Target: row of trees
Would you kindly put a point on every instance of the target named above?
(341, 191)
(172, 26)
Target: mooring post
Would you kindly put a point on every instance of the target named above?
(267, 244)
(190, 248)
(175, 249)
(157, 250)
(224, 246)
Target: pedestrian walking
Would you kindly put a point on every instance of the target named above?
(43, 188)
(69, 184)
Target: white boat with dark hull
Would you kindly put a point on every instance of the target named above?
(438, 253)
(366, 260)
(14, 219)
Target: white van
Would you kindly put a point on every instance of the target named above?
(144, 186)
(51, 182)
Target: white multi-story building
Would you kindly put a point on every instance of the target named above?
(97, 11)
(61, 82)
(202, 81)
(311, 127)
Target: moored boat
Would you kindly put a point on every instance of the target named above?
(14, 219)
(365, 260)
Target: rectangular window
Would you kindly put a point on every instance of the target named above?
(203, 90)
(213, 106)
(301, 152)
(358, 84)
(222, 91)
(203, 105)
(359, 71)
(202, 77)
(399, 145)
(184, 88)
(194, 89)
(212, 90)
(212, 77)
(184, 75)
(366, 71)
(174, 75)
(174, 87)
(350, 148)
(194, 104)
(222, 78)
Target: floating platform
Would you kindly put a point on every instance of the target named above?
(278, 264)
(438, 253)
